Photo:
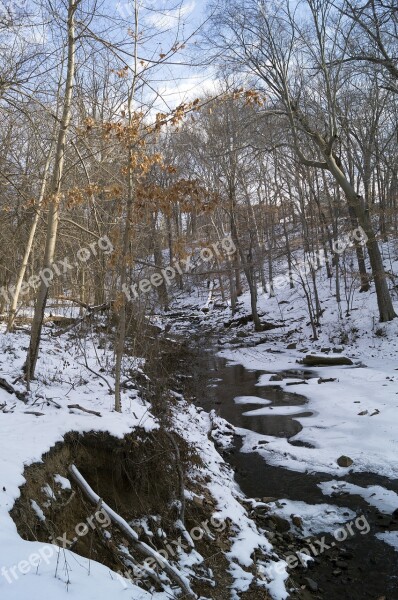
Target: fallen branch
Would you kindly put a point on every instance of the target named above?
(9, 388)
(96, 374)
(151, 573)
(90, 310)
(86, 410)
(171, 571)
(53, 402)
(32, 412)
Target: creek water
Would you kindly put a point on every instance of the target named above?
(370, 566)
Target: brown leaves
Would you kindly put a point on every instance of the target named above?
(123, 72)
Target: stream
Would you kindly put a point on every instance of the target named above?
(362, 566)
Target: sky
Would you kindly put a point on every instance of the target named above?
(176, 83)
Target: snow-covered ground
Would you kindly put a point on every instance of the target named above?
(356, 415)
(63, 378)
(66, 375)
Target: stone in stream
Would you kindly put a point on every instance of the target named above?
(297, 521)
(312, 585)
(276, 377)
(278, 524)
(344, 461)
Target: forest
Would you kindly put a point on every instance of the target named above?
(199, 198)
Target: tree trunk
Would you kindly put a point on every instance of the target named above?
(28, 249)
(53, 214)
(386, 309)
(121, 330)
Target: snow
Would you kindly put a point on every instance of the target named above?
(277, 574)
(356, 415)
(386, 501)
(250, 400)
(38, 510)
(194, 425)
(63, 482)
(315, 518)
(335, 426)
(24, 438)
(389, 537)
(63, 378)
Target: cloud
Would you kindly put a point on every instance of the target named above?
(189, 88)
(167, 19)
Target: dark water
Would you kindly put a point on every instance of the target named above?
(372, 571)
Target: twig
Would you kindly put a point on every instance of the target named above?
(111, 391)
(91, 412)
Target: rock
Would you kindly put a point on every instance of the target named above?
(344, 461)
(268, 499)
(314, 360)
(361, 414)
(311, 584)
(297, 521)
(281, 525)
(383, 520)
(292, 346)
(276, 377)
(325, 349)
(198, 500)
(241, 334)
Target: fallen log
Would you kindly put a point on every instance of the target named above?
(171, 571)
(315, 360)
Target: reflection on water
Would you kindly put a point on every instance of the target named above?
(232, 380)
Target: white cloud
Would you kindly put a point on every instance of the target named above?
(189, 88)
(167, 19)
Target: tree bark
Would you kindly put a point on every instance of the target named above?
(53, 214)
